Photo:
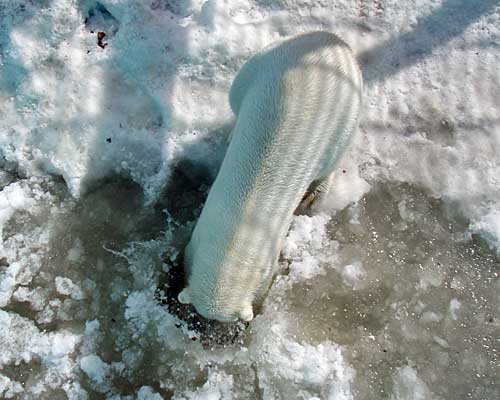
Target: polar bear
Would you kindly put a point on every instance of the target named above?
(297, 105)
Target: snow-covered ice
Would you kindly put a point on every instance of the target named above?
(389, 289)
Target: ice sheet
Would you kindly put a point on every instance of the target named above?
(389, 289)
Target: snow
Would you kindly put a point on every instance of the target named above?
(306, 235)
(388, 288)
(322, 366)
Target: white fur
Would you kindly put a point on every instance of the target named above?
(297, 105)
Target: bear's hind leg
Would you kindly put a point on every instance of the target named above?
(316, 191)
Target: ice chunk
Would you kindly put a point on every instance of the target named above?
(8, 388)
(36, 298)
(66, 287)
(306, 237)
(91, 337)
(489, 227)
(440, 341)
(8, 282)
(219, 386)
(62, 344)
(147, 393)
(347, 188)
(305, 232)
(430, 316)
(96, 369)
(76, 252)
(306, 268)
(321, 367)
(353, 275)
(15, 197)
(21, 341)
(455, 305)
(408, 386)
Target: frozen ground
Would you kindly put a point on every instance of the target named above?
(390, 290)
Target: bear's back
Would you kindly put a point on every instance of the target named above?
(276, 60)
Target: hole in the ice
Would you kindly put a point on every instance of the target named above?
(183, 198)
(211, 333)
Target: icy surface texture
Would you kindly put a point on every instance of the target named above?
(389, 289)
